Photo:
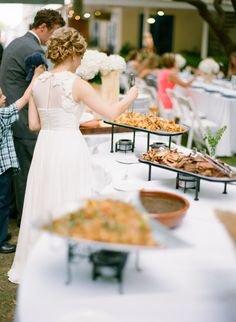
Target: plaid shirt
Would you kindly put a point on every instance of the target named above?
(8, 158)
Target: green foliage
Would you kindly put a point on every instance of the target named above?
(192, 58)
(78, 7)
(97, 79)
(229, 160)
(212, 140)
(93, 43)
(126, 49)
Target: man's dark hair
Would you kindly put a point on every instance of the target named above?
(49, 17)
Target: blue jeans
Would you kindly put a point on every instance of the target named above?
(5, 202)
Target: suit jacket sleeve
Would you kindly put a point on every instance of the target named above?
(13, 78)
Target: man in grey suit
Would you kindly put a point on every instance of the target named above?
(13, 83)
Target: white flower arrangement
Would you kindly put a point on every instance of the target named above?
(90, 64)
(209, 66)
(95, 63)
(113, 62)
(180, 61)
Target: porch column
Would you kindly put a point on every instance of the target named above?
(118, 16)
(205, 36)
(145, 24)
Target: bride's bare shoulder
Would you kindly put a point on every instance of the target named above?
(44, 76)
(81, 88)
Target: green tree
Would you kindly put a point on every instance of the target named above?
(216, 19)
(78, 7)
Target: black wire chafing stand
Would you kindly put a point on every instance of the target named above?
(137, 129)
(106, 264)
(198, 177)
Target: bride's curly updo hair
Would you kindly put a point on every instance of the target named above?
(65, 42)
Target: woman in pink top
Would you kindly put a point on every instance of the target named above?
(168, 78)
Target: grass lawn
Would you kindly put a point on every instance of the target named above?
(229, 160)
(7, 289)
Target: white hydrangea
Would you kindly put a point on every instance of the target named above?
(90, 64)
(113, 62)
(87, 72)
(94, 62)
(180, 61)
(209, 66)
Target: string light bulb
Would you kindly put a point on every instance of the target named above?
(77, 17)
(151, 20)
(160, 13)
(87, 15)
(97, 13)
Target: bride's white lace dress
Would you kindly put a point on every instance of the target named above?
(61, 169)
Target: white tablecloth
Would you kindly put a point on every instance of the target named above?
(196, 284)
(222, 111)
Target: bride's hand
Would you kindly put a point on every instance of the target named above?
(133, 93)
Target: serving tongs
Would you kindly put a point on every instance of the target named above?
(217, 164)
(131, 82)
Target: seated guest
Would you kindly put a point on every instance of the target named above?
(149, 66)
(232, 65)
(167, 78)
(133, 62)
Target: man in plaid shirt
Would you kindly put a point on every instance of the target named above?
(8, 160)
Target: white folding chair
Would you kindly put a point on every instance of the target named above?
(189, 115)
(175, 111)
(165, 113)
(175, 107)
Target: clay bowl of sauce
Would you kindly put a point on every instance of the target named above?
(168, 208)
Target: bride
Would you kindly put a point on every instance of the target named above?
(61, 168)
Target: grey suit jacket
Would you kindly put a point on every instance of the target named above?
(12, 78)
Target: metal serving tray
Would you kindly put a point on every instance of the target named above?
(198, 177)
(139, 129)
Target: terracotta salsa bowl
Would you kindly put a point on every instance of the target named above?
(168, 208)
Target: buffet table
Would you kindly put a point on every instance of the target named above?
(220, 109)
(196, 284)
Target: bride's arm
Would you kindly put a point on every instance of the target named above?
(83, 91)
(33, 116)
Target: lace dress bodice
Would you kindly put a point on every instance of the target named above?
(52, 93)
